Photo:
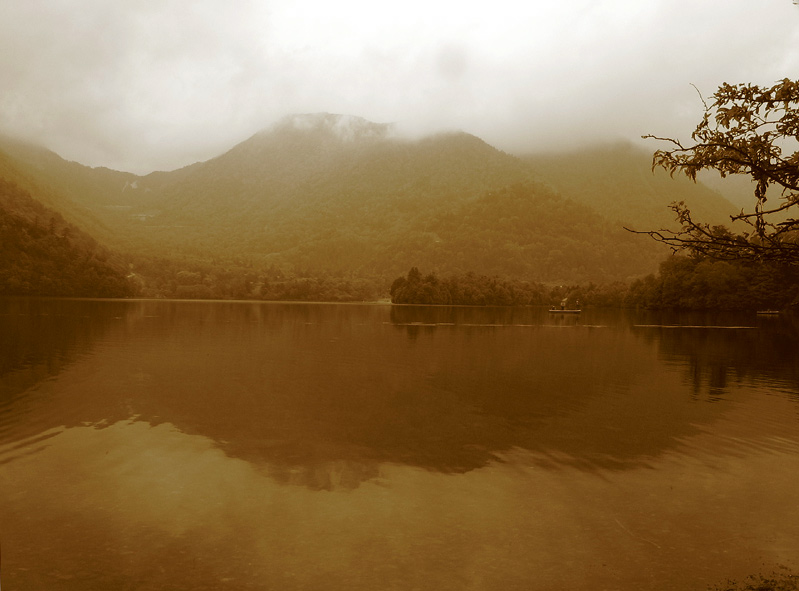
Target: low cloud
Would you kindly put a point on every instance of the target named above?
(141, 85)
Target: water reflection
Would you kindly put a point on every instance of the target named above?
(152, 508)
(50, 334)
(324, 400)
(39, 339)
(715, 356)
(212, 445)
(322, 395)
(411, 318)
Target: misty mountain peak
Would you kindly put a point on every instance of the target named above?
(346, 128)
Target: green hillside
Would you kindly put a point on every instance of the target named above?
(618, 181)
(42, 254)
(90, 198)
(285, 187)
(327, 195)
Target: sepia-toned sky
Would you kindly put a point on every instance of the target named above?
(144, 85)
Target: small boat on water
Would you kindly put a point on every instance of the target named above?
(563, 309)
(767, 312)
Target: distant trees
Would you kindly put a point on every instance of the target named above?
(696, 283)
(197, 279)
(684, 282)
(466, 290)
(744, 130)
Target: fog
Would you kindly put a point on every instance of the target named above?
(145, 85)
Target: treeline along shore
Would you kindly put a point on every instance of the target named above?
(683, 282)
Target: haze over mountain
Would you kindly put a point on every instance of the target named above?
(324, 193)
(618, 180)
(144, 86)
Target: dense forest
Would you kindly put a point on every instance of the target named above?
(187, 278)
(683, 282)
(465, 290)
(686, 282)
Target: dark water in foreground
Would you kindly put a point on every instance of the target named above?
(201, 445)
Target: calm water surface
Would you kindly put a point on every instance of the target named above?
(217, 445)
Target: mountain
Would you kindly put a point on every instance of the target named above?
(85, 196)
(313, 175)
(42, 254)
(324, 193)
(529, 231)
(618, 181)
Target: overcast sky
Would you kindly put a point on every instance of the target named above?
(144, 85)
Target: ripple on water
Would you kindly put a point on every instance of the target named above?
(27, 446)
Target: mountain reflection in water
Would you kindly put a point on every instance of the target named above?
(243, 403)
(297, 388)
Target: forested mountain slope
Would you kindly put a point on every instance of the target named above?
(618, 181)
(268, 193)
(42, 254)
(527, 231)
(84, 196)
(327, 193)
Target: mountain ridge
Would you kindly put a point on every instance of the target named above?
(334, 193)
(342, 126)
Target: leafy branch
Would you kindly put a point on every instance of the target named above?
(747, 130)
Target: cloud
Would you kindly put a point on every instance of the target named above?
(148, 84)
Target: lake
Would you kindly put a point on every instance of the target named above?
(238, 445)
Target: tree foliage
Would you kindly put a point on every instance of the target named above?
(683, 283)
(702, 283)
(750, 130)
(465, 290)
